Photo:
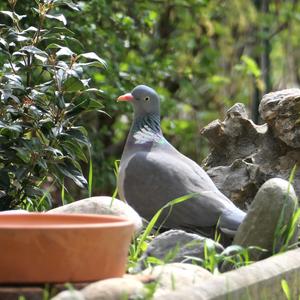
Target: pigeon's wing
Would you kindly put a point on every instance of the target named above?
(151, 179)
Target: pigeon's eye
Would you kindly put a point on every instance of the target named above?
(147, 98)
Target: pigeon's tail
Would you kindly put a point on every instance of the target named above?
(230, 220)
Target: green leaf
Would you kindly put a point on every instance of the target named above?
(3, 43)
(73, 84)
(21, 38)
(4, 180)
(13, 15)
(30, 29)
(69, 3)
(93, 90)
(53, 46)
(61, 30)
(64, 51)
(12, 131)
(251, 66)
(14, 82)
(23, 154)
(60, 101)
(93, 56)
(20, 172)
(74, 149)
(33, 50)
(70, 171)
(72, 40)
(34, 191)
(60, 18)
(80, 134)
(94, 105)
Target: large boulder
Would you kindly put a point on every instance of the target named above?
(245, 155)
(101, 205)
(268, 219)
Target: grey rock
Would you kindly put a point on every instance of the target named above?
(175, 276)
(103, 205)
(69, 295)
(237, 134)
(261, 280)
(114, 289)
(245, 155)
(281, 111)
(241, 181)
(176, 246)
(273, 206)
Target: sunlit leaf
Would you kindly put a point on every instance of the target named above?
(14, 16)
(93, 56)
(69, 3)
(3, 43)
(33, 50)
(59, 17)
(64, 51)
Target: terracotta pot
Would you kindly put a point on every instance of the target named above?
(56, 248)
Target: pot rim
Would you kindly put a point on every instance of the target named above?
(38, 221)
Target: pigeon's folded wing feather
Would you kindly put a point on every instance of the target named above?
(169, 177)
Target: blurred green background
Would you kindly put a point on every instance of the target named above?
(201, 56)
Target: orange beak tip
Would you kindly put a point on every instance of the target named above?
(125, 97)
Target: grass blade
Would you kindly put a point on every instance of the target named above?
(62, 194)
(153, 221)
(116, 172)
(90, 178)
(286, 289)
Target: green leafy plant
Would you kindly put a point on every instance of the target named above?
(43, 92)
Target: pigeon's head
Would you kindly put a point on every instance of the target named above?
(144, 99)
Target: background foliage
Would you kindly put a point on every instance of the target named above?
(200, 55)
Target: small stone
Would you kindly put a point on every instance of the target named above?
(275, 202)
(177, 246)
(102, 205)
(175, 276)
(69, 295)
(114, 289)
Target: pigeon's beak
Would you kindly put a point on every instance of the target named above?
(125, 97)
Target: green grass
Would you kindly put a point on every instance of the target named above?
(90, 177)
(153, 221)
(285, 233)
(116, 172)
